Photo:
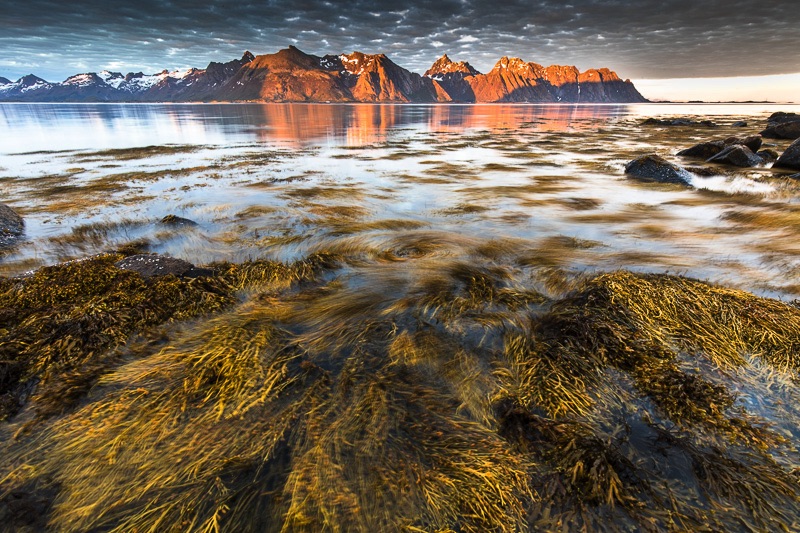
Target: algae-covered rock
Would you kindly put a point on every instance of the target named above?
(175, 221)
(149, 265)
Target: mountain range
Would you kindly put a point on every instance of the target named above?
(291, 75)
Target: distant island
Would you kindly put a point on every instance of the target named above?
(732, 102)
(291, 75)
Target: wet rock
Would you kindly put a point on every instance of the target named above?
(782, 117)
(10, 222)
(752, 141)
(709, 149)
(678, 122)
(149, 265)
(786, 130)
(782, 125)
(175, 221)
(703, 150)
(738, 155)
(655, 168)
(739, 124)
(11, 225)
(767, 155)
(790, 157)
(705, 172)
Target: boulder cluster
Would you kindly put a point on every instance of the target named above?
(735, 151)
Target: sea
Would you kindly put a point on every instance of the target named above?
(542, 184)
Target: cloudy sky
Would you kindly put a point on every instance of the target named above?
(645, 40)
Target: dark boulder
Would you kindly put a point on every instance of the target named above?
(782, 125)
(10, 222)
(11, 225)
(177, 222)
(738, 155)
(739, 124)
(782, 117)
(705, 172)
(149, 265)
(790, 157)
(784, 130)
(655, 168)
(752, 141)
(767, 154)
(711, 148)
(703, 150)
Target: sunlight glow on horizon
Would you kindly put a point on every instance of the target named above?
(780, 88)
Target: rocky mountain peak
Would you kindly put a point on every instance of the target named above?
(599, 75)
(518, 67)
(30, 80)
(444, 66)
(507, 62)
(247, 57)
(290, 52)
(84, 80)
(4, 81)
(358, 62)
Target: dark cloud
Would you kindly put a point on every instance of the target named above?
(647, 39)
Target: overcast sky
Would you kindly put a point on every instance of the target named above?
(642, 40)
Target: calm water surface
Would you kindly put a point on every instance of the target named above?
(540, 187)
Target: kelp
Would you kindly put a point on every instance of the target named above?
(414, 392)
(59, 327)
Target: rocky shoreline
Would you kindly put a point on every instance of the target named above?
(732, 151)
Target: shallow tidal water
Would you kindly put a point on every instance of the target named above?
(544, 183)
(415, 318)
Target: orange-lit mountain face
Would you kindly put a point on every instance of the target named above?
(294, 76)
(514, 80)
(291, 75)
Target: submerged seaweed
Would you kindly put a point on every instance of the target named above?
(407, 393)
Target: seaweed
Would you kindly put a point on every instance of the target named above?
(59, 327)
(401, 392)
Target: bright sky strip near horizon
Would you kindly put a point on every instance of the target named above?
(647, 40)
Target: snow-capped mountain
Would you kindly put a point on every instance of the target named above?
(106, 86)
(25, 86)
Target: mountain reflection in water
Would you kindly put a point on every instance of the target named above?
(31, 127)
